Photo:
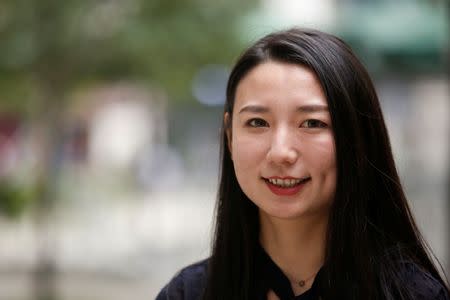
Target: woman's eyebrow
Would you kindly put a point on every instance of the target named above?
(254, 109)
(312, 108)
(303, 108)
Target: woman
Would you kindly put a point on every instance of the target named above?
(310, 205)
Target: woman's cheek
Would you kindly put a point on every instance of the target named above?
(248, 150)
(322, 153)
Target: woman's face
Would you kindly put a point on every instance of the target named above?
(281, 141)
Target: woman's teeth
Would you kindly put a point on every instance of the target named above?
(286, 183)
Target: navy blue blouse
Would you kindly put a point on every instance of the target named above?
(270, 277)
(189, 283)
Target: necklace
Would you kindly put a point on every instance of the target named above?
(302, 283)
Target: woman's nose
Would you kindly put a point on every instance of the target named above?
(283, 150)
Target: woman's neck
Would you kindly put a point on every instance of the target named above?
(296, 246)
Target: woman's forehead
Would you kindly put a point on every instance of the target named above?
(275, 83)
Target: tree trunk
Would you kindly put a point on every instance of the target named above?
(50, 123)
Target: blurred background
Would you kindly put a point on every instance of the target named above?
(109, 129)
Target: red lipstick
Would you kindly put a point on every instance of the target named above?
(285, 191)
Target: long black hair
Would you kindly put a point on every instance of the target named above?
(372, 235)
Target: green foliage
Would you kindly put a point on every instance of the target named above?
(63, 43)
(14, 199)
(49, 48)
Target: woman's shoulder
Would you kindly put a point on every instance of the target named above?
(187, 284)
(421, 283)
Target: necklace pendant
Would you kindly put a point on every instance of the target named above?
(301, 283)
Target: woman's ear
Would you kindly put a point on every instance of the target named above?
(227, 126)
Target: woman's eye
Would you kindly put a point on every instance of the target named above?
(256, 123)
(312, 123)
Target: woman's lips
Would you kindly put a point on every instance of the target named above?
(286, 191)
